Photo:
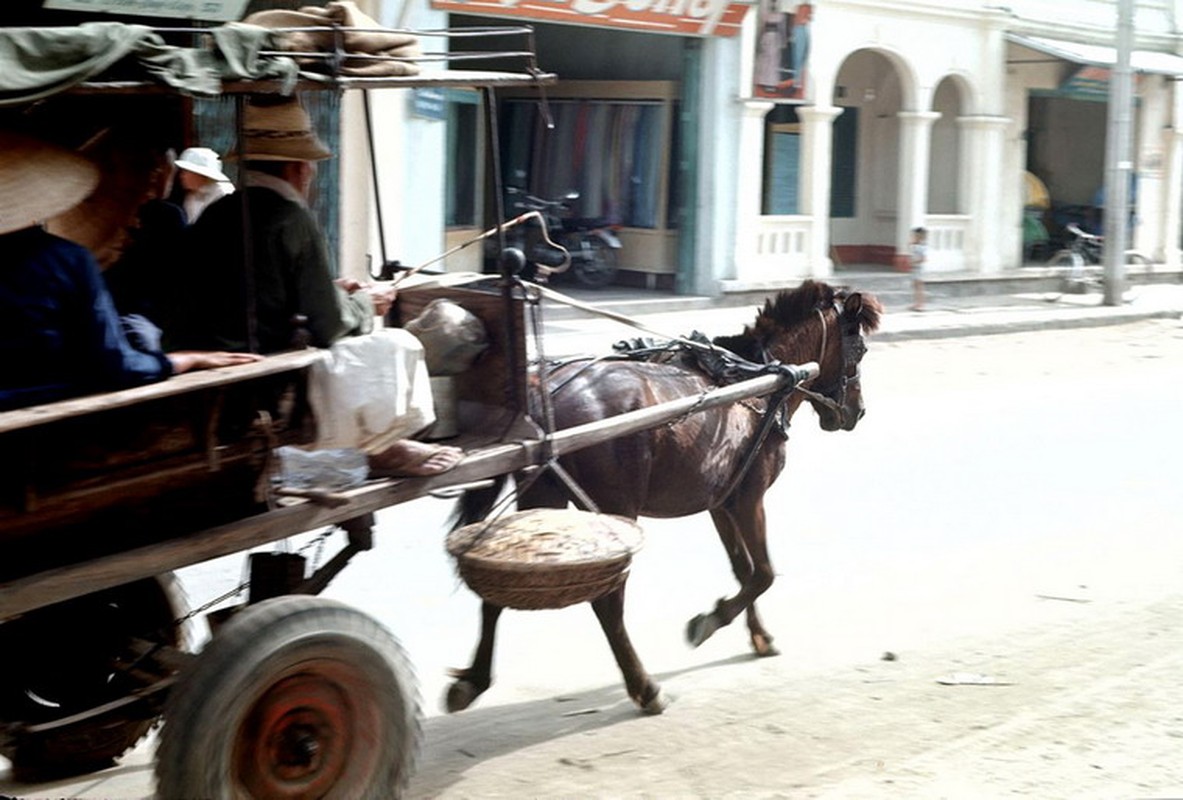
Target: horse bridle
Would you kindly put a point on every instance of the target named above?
(853, 350)
(854, 347)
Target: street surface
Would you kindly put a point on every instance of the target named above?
(977, 596)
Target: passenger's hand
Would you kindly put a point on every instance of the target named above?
(383, 296)
(350, 285)
(191, 360)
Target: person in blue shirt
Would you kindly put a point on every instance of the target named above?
(60, 335)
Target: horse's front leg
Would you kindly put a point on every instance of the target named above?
(752, 569)
(645, 693)
(470, 683)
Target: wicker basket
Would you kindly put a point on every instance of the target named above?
(545, 558)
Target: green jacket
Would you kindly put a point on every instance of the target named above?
(291, 277)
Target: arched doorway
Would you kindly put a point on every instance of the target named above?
(871, 89)
(945, 174)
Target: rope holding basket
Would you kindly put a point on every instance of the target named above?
(545, 557)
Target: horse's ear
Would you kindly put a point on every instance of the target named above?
(865, 309)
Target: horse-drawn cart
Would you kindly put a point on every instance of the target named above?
(103, 496)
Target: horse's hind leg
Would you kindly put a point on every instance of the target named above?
(470, 683)
(752, 569)
(645, 693)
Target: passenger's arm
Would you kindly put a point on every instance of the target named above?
(191, 360)
(110, 362)
(316, 296)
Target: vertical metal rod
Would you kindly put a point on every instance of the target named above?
(1118, 164)
(508, 282)
(365, 96)
(248, 252)
(493, 140)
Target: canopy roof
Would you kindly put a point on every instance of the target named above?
(237, 57)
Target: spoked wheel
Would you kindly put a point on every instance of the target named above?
(598, 267)
(296, 697)
(78, 655)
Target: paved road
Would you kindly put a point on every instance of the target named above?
(1006, 509)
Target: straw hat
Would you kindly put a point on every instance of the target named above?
(279, 132)
(202, 161)
(39, 180)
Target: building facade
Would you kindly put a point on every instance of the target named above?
(751, 146)
(919, 113)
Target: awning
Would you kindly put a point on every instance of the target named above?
(1101, 56)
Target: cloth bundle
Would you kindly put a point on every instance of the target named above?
(369, 391)
(378, 48)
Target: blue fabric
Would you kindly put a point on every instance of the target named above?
(59, 332)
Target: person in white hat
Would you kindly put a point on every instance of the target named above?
(290, 277)
(199, 171)
(60, 334)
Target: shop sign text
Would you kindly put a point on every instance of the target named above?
(683, 17)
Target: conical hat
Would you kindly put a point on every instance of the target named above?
(39, 180)
(102, 223)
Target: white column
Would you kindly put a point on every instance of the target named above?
(749, 187)
(1150, 160)
(817, 155)
(915, 148)
(1172, 208)
(983, 140)
(1011, 168)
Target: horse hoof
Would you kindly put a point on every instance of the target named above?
(764, 647)
(699, 629)
(461, 695)
(657, 704)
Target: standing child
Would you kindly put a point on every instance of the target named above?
(918, 246)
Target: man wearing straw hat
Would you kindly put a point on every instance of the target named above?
(292, 275)
(291, 279)
(60, 334)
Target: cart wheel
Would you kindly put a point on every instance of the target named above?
(296, 697)
(62, 659)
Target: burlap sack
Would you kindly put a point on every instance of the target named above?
(369, 39)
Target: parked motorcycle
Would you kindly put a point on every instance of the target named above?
(591, 244)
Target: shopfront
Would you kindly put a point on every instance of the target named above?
(623, 127)
(1060, 93)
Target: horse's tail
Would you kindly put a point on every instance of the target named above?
(475, 504)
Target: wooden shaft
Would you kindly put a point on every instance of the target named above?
(29, 592)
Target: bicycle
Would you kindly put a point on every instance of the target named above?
(1079, 263)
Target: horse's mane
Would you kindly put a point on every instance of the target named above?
(791, 307)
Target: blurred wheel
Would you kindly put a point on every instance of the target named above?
(75, 656)
(596, 265)
(296, 697)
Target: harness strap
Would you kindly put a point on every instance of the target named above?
(771, 412)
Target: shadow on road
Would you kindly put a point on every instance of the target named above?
(456, 743)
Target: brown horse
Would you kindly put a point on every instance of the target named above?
(715, 460)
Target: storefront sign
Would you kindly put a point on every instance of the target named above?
(1092, 83)
(214, 10)
(429, 103)
(683, 17)
(782, 51)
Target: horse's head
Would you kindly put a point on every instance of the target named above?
(816, 322)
